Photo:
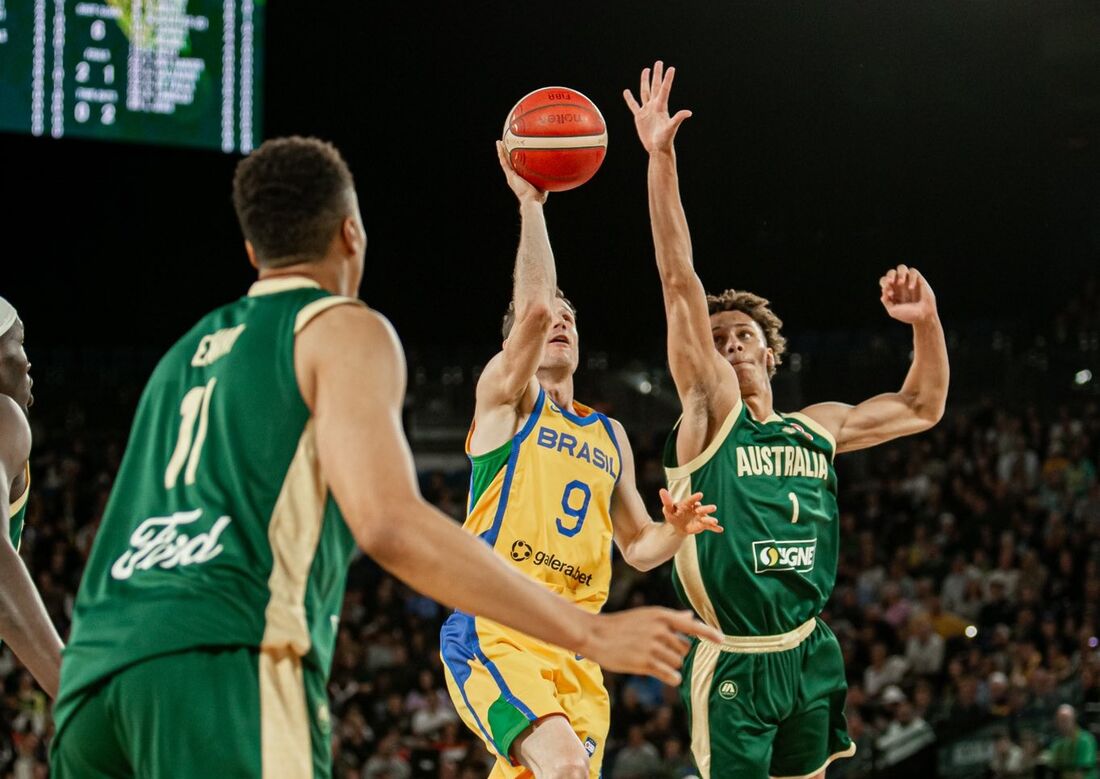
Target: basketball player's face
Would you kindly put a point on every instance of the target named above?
(562, 348)
(740, 340)
(15, 369)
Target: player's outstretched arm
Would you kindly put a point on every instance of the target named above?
(24, 623)
(511, 373)
(919, 404)
(351, 370)
(645, 544)
(697, 369)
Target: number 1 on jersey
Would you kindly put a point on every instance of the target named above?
(794, 507)
(194, 406)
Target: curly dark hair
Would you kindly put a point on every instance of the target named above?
(291, 195)
(757, 308)
(510, 314)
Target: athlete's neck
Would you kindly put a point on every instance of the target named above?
(333, 275)
(559, 388)
(759, 401)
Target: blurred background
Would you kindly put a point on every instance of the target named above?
(830, 141)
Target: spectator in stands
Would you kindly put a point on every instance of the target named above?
(1073, 753)
(884, 670)
(1008, 759)
(638, 759)
(924, 649)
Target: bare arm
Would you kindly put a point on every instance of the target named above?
(645, 544)
(698, 370)
(24, 623)
(352, 373)
(509, 378)
(919, 404)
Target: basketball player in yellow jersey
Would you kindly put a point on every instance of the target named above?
(553, 484)
(24, 624)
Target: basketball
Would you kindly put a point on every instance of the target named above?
(555, 138)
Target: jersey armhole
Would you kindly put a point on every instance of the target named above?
(701, 459)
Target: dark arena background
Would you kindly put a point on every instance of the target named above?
(829, 142)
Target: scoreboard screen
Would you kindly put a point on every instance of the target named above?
(179, 72)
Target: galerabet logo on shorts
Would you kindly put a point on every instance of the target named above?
(772, 555)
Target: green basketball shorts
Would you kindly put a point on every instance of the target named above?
(767, 706)
(230, 712)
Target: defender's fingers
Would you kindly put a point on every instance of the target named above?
(631, 103)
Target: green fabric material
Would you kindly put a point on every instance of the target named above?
(1076, 755)
(786, 716)
(485, 468)
(775, 487)
(506, 723)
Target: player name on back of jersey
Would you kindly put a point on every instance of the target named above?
(781, 461)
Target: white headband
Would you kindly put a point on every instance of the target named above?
(7, 316)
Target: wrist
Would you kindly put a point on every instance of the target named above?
(582, 631)
(663, 154)
(528, 202)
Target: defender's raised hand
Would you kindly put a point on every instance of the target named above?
(907, 295)
(689, 516)
(656, 129)
(523, 188)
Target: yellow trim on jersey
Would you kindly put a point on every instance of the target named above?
(702, 678)
(755, 645)
(851, 750)
(816, 426)
(681, 471)
(286, 750)
(280, 284)
(312, 310)
(294, 532)
(17, 505)
(686, 562)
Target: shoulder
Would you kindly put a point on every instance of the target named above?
(15, 433)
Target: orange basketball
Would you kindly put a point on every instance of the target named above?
(556, 138)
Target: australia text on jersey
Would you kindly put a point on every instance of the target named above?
(781, 461)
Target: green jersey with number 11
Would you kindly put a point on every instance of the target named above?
(220, 530)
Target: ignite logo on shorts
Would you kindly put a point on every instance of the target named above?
(728, 690)
(590, 746)
(772, 555)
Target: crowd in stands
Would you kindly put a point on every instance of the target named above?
(967, 604)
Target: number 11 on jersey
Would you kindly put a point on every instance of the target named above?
(195, 406)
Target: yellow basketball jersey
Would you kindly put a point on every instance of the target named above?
(548, 509)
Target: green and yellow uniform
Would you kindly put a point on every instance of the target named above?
(768, 700)
(205, 624)
(543, 502)
(17, 511)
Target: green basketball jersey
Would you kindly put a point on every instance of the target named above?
(17, 511)
(220, 529)
(773, 482)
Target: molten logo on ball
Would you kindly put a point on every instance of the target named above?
(555, 138)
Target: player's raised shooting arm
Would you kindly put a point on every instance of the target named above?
(24, 623)
(511, 372)
(645, 544)
(920, 402)
(351, 371)
(695, 364)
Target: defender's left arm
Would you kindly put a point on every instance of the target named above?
(645, 544)
(919, 404)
